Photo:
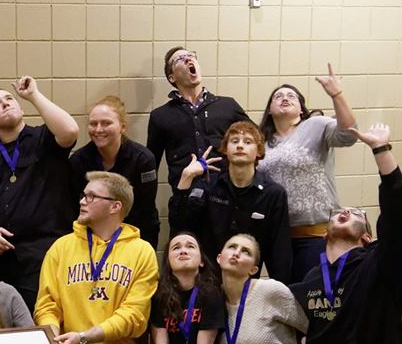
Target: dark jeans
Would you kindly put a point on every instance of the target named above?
(306, 255)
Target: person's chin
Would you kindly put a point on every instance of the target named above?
(82, 220)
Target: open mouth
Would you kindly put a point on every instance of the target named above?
(344, 217)
(192, 69)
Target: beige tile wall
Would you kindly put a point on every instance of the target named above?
(82, 50)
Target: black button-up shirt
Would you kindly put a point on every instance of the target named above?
(36, 207)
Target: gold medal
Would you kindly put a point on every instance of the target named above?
(330, 315)
(95, 290)
(13, 178)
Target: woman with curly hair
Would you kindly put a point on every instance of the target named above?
(188, 306)
(299, 155)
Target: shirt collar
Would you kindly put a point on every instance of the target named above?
(175, 94)
(258, 179)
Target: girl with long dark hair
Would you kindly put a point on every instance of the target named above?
(188, 305)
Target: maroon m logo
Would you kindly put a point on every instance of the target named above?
(99, 293)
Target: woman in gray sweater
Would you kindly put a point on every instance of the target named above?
(300, 157)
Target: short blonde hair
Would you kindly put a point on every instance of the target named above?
(254, 242)
(118, 186)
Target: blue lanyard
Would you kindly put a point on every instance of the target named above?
(239, 315)
(11, 162)
(185, 326)
(328, 286)
(96, 271)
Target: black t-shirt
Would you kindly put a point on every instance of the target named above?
(208, 314)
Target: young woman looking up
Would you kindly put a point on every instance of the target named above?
(188, 306)
(259, 311)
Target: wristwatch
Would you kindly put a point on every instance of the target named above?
(83, 339)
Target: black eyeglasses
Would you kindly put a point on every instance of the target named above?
(182, 57)
(89, 198)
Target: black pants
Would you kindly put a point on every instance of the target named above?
(306, 255)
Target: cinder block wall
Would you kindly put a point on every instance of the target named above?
(81, 50)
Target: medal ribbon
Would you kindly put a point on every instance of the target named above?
(11, 162)
(185, 326)
(239, 315)
(96, 271)
(328, 286)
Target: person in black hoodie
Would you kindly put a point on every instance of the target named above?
(355, 295)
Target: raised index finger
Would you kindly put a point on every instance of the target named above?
(330, 71)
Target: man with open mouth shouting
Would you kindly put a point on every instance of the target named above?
(192, 120)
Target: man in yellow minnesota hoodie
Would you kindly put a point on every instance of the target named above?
(97, 282)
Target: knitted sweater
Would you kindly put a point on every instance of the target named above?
(303, 163)
(271, 315)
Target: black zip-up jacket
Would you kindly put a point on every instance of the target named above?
(180, 131)
(215, 211)
(368, 304)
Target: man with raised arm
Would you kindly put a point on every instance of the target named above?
(34, 190)
(355, 295)
(96, 283)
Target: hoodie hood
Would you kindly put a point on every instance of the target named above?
(129, 232)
